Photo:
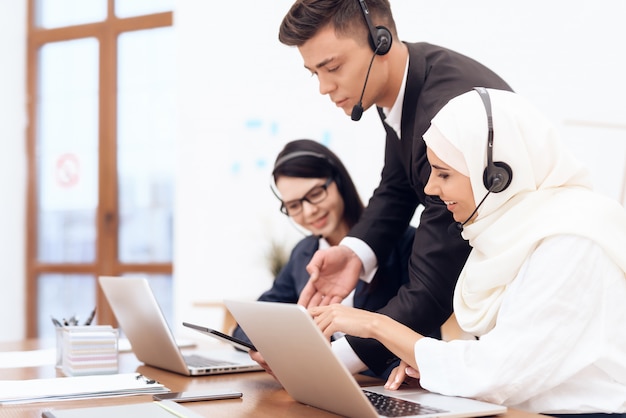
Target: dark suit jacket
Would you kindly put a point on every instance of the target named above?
(435, 76)
(384, 285)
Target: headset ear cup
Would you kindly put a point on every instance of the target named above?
(497, 177)
(383, 40)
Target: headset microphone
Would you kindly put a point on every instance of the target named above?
(380, 41)
(497, 175)
(496, 171)
(457, 227)
(357, 110)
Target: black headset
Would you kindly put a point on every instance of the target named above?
(380, 37)
(297, 154)
(335, 173)
(498, 174)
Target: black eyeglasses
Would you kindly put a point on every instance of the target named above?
(313, 196)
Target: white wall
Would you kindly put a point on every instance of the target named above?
(567, 57)
(243, 95)
(12, 167)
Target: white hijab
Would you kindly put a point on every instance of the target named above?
(549, 194)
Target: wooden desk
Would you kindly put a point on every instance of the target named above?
(262, 395)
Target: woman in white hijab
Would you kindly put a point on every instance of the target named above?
(544, 288)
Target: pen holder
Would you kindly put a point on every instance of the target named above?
(88, 350)
(58, 363)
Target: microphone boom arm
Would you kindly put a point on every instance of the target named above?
(357, 110)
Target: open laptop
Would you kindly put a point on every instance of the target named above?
(152, 341)
(304, 363)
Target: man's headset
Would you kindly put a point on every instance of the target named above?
(380, 41)
(380, 37)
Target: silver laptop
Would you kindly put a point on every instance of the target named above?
(152, 341)
(304, 363)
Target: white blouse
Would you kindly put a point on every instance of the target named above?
(559, 343)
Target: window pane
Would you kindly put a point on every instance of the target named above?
(146, 144)
(127, 8)
(61, 296)
(67, 149)
(58, 13)
(161, 285)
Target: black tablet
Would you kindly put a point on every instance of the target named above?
(240, 344)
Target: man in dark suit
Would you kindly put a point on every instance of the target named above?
(408, 83)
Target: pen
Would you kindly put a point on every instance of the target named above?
(56, 322)
(90, 319)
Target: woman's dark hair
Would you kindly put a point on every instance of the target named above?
(309, 159)
(307, 17)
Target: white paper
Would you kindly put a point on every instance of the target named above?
(47, 356)
(60, 388)
(33, 358)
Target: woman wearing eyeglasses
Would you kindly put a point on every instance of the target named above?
(317, 193)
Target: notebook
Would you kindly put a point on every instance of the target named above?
(161, 409)
(304, 363)
(152, 341)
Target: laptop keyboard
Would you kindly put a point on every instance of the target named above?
(195, 360)
(388, 406)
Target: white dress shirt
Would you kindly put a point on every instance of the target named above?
(361, 249)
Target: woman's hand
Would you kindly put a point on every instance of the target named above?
(256, 356)
(401, 374)
(398, 338)
(352, 321)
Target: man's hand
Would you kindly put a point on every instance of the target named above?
(334, 274)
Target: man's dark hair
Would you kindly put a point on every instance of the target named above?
(307, 17)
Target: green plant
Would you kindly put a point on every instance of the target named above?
(277, 256)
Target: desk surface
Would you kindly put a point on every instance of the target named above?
(262, 395)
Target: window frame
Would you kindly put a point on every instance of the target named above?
(107, 217)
